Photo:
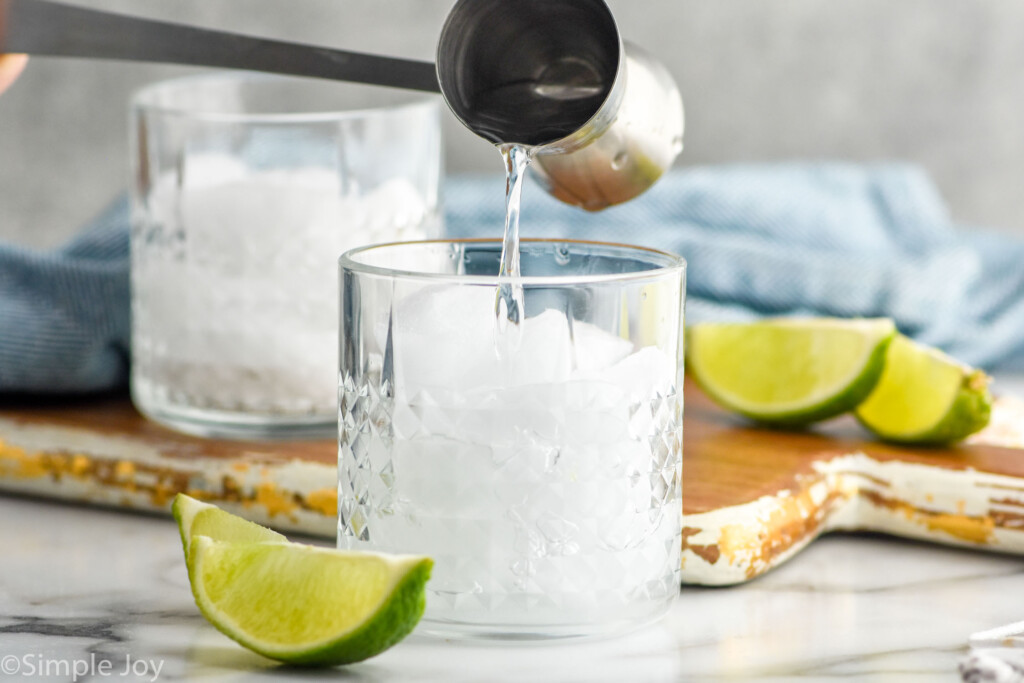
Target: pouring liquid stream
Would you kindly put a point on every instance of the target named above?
(509, 305)
(565, 94)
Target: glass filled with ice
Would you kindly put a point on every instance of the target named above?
(540, 462)
(247, 188)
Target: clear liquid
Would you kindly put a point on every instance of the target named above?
(509, 304)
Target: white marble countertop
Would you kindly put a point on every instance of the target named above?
(90, 585)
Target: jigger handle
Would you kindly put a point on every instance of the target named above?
(40, 27)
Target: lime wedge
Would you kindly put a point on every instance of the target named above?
(292, 602)
(306, 605)
(926, 397)
(789, 371)
(196, 518)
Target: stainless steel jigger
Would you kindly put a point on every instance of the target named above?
(605, 120)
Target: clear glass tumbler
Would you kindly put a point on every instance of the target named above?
(247, 188)
(540, 465)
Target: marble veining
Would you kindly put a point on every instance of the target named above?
(90, 586)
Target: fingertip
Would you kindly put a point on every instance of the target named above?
(11, 67)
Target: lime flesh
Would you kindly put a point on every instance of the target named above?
(196, 518)
(926, 397)
(791, 371)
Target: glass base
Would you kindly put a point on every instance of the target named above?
(534, 633)
(216, 424)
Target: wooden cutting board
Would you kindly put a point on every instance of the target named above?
(752, 497)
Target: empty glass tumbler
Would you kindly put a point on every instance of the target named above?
(247, 188)
(539, 464)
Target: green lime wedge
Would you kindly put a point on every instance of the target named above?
(306, 605)
(926, 397)
(196, 518)
(292, 602)
(790, 371)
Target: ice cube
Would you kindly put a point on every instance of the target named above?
(205, 170)
(444, 337)
(639, 376)
(595, 349)
(237, 266)
(544, 354)
(395, 206)
(645, 373)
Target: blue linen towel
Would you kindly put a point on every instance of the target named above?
(64, 314)
(787, 239)
(805, 239)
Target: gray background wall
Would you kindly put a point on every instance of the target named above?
(937, 82)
